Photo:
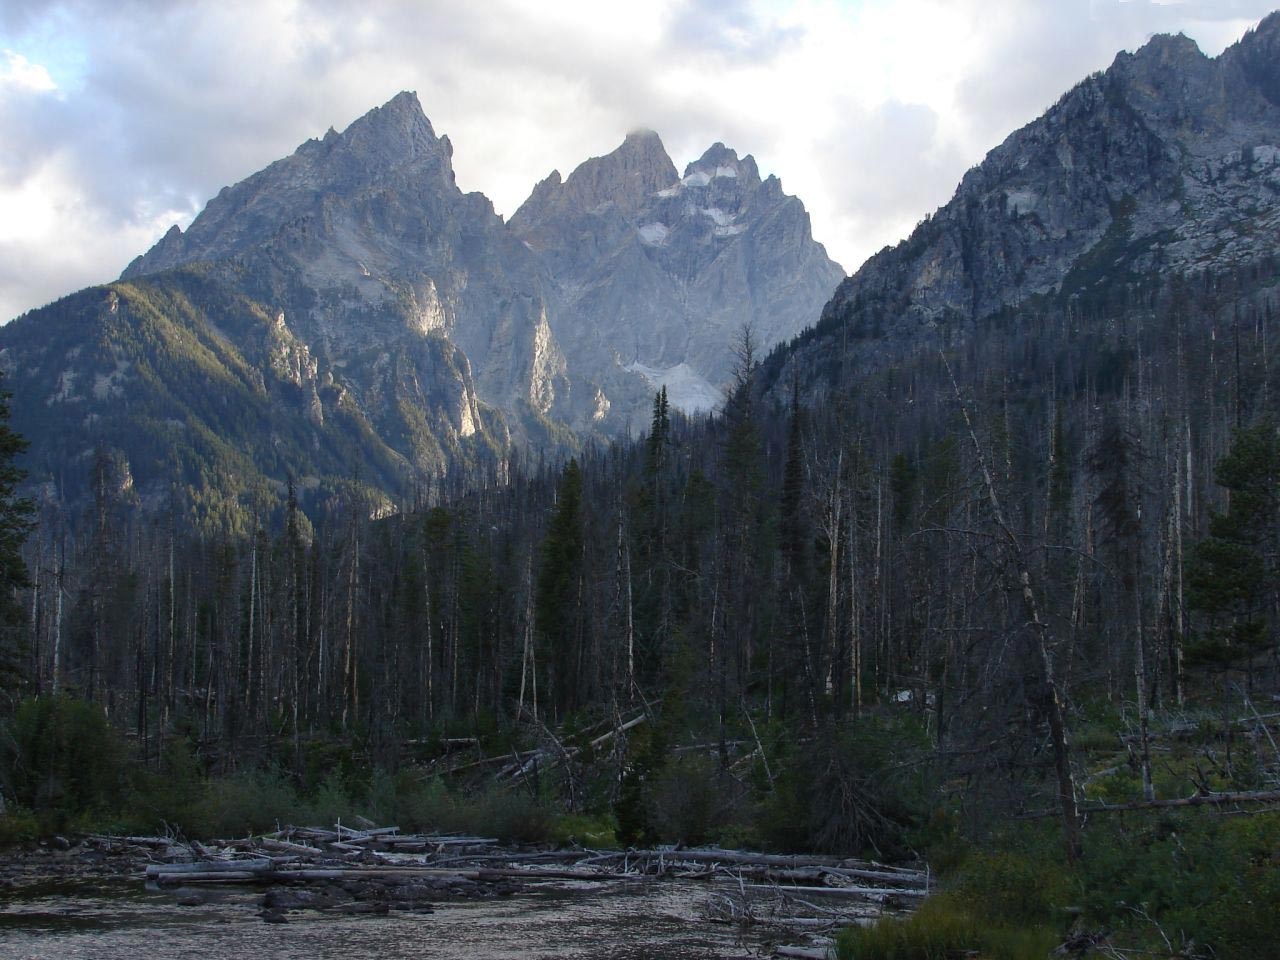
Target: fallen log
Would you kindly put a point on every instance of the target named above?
(818, 874)
(286, 846)
(716, 855)
(211, 876)
(870, 894)
(275, 872)
(208, 866)
(1199, 800)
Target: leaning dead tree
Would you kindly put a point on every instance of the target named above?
(1040, 634)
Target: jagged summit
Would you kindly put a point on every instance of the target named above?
(720, 161)
(398, 129)
(654, 272)
(395, 140)
(1167, 46)
(621, 179)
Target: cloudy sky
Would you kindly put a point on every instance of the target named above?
(121, 117)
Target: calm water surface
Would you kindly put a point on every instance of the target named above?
(623, 921)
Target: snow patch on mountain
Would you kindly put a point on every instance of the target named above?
(653, 234)
(687, 390)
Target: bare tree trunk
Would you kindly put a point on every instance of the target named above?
(1040, 633)
(350, 680)
(173, 634)
(835, 503)
(57, 624)
(1140, 690)
(1181, 507)
(855, 618)
(877, 590)
(253, 581)
(624, 547)
(528, 664)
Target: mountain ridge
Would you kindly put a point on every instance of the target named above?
(1166, 162)
(352, 289)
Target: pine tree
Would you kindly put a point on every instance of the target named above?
(558, 584)
(1232, 577)
(16, 521)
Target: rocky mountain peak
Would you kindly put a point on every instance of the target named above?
(397, 132)
(720, 161)
(1168, 48)
(392, 141)
(643, 144)
(622, 179)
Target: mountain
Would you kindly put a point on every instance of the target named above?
(349, 315)
(655, 273)
(1165, 165)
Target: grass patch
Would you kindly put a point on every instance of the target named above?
(943, 929)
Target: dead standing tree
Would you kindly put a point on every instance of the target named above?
(1038, 630)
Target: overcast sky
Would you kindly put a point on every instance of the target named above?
(119, 118)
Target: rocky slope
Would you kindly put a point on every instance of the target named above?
(348, 315)
(1166, 163)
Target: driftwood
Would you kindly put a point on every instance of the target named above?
(870, 895)
(804, 896)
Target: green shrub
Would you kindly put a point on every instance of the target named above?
(594, 832)
(1013, 889)
(498, 812)
(853, 790)
(510, 816)
(244, 804)
(683, 800)
(18, 825)
(171, 796)
(63, 761)
(332, 802)
(935, 932)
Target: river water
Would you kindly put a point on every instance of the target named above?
(625, 921)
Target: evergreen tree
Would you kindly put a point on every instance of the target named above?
(1232, 576)
(16, 520)
(558, 584)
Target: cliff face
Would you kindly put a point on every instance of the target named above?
(653, 274)
(1167, 162)
(368, 237)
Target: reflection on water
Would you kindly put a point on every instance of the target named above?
(622, 921)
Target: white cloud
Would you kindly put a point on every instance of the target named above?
(17, 71)
(118, 118)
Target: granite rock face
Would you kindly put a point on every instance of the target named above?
(1167, 162)
(655, 274)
